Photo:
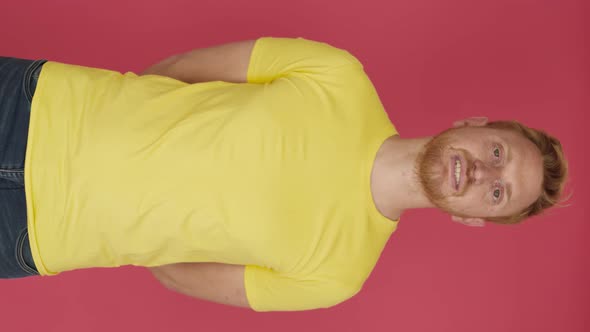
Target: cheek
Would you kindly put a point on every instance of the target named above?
(474, 203)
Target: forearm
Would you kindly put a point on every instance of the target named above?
(227, 62)
(220, 283)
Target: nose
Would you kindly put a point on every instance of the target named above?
(480, 172)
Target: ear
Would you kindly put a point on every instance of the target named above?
(479, 121)
(474, 222)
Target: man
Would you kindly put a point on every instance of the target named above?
(273, 184)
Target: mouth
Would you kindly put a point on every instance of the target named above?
(457, 172)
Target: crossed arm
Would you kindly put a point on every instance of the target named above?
(220, 283)
(228, 62)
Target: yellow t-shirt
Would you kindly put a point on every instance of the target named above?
(273, 174)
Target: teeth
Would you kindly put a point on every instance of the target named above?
(457, 171)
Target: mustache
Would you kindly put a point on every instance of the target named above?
(427, 166)
(431, 164)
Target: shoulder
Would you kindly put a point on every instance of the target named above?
(304, 48)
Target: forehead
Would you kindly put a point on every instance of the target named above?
(523, 171)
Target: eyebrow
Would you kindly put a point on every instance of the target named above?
(508, 159)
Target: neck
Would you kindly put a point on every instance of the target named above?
(394, 183)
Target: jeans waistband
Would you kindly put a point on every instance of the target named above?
(31, 77)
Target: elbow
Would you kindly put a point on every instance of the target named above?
(164, 279)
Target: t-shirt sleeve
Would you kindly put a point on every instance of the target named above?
(268, 290)
(273, 58)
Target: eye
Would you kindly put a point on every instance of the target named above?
(497, 194)
(497, 152)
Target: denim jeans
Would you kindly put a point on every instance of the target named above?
(18, 80)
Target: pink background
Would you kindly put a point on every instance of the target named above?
(432, 62)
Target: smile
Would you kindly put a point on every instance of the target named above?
(457, 171)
